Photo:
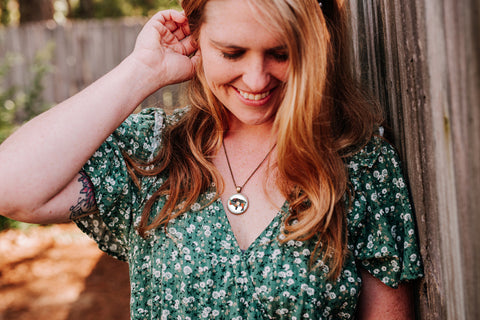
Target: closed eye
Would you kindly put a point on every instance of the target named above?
(280, 57)
(233, 55)
(280, 54)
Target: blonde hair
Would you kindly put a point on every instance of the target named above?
(323, 118)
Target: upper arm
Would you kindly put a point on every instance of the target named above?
(379, 301)
(76, 200)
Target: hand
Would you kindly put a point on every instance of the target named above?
(165, 47)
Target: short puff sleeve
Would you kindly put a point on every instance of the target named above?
(117, 196)
(381, 224)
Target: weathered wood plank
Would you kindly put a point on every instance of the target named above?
(421, 60)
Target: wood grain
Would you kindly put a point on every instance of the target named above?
(421, 59)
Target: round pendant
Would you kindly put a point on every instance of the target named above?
(237, 204)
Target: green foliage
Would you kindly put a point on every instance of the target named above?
(99, 9)
(4, 13)
(18, 106)
(90, 9)
(147, 7)
(7, 106)
(6, 223)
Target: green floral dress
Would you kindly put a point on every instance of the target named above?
(196, 270)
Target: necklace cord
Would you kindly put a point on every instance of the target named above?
(239, 188)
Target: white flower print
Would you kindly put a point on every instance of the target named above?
(197, 269)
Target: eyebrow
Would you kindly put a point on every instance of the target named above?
(231, 46)
(224, 45)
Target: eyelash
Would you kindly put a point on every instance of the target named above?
(280, 57)
(232, 56)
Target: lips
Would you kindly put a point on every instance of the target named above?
(253, 96)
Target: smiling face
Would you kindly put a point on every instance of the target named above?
(245, 63)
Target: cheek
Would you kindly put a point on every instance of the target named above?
(213, 71)
(216, 69)
(282, 71)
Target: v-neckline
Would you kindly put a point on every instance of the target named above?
(228, 227)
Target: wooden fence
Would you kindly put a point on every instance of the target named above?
(82, 52)
(419, 57)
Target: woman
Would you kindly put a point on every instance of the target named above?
(269, 197)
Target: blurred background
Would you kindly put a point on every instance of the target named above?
(49, 50)
(24, 11)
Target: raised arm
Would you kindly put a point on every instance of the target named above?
(40, 162)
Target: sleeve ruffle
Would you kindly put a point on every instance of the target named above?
(381, 224)
(115, 192)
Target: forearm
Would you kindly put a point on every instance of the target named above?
(43, 156)
(39, 163)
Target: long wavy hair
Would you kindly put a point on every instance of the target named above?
(323, 118)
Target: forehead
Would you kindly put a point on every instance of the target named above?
(237, 21)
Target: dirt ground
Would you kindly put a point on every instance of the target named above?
(58, 273)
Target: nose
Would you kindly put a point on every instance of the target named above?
(256, 75)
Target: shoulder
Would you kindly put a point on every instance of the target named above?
(140, 135)
(376, 150)
(380, 220)
(377, 164)
(375, 172)
(154, 119)
(177, 115)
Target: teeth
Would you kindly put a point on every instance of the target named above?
(254, 97)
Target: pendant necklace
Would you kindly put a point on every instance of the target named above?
(238, 203)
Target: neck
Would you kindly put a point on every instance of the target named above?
(262, 133)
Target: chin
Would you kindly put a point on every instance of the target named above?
(252, 120)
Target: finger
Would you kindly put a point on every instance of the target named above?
(180, 34)
(196, 59)
(175, 16)
(186, 28)
(176, 22)
(168, 17)
(171, 26)
(179, 30)
(181, 23)
(189, 46)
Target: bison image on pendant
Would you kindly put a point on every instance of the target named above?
(237, 204)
